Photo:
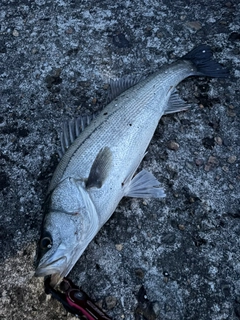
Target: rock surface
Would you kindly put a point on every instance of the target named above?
(56, 58)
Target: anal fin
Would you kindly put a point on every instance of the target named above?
(144, 185)
(176, 104)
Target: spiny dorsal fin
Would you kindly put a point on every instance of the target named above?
(100, 168)
(116, 87)
(71, 130)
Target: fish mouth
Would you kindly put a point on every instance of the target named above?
(57, 266)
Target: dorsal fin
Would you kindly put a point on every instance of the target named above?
(116, 87)
(71, 130)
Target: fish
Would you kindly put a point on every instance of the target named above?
(101, 155)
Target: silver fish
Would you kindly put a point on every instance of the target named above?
(98, 168)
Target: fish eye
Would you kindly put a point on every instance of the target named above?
(46, 243)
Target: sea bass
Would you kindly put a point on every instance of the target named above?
(98, 168)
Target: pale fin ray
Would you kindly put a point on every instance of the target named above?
(144, 185)
(176, 104)
(71, 130)
(116, 87)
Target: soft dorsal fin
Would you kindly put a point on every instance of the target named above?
(116, 87)
(71, 130)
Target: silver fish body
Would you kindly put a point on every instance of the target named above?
(98, 169)
(126, 126)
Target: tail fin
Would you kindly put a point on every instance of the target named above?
(201, 57)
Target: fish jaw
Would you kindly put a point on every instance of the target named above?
(46, 270)
(56, 263)
(60, 263)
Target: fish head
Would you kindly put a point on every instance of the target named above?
(59, 242)
(70, 223)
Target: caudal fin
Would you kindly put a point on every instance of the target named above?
(201, 57)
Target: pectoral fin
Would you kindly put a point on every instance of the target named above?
(100, 168)
(144, 185)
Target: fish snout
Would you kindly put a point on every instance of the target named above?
(51, 266)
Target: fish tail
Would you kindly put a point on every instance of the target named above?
(201, 57)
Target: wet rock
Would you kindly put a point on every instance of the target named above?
(15, 33)
(218, 140)
(225, 168)
(139, 273)
(168, 238)
(146, 309)
(208, 143)
(119, 246)
(181, 227)
(3, 48)
(110, 302)
(212, 160)
(231, 113)
(4, 181)
(53, 79)
(23, 132)
(215, 124)
(234, 36)
(237, 310)
(199, 162)
(232, 159)
(189, 165)
(2, 122)
(173, 145)
(227, 142)
(120, 41)
(199, 241)
(207, 167)
(195, 25)
(228, 4)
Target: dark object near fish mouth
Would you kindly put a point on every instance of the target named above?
(75, 300)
